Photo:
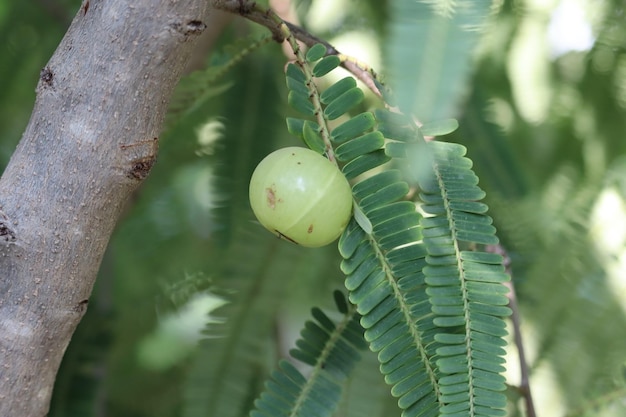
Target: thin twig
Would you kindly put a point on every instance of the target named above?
(524, 387)
(253, 12)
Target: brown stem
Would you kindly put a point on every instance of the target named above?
(524, 387)
(517, 334)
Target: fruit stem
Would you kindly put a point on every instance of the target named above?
(314, 94)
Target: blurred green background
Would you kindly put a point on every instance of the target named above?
(540, 96)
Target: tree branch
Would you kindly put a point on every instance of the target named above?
(90, 142)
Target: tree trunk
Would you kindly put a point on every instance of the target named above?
(91, 140)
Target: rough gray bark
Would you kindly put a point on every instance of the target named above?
(91, 140)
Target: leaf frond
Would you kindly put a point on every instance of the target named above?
(431, 304)
(331, 349)
(465, 286)
(383, 265)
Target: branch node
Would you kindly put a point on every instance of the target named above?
(189, 28)
(7, 232)
(85, 7)
(46, 76)
(142, 159)
(81, 307)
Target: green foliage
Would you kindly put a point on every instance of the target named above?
(430, 76)
(432, 311)
(465, 288)
(416, 259)
(331, 350)
(231, 356)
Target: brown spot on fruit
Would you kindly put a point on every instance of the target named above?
(310, 229)
(270, 193)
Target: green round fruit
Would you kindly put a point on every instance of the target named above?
(301, 196)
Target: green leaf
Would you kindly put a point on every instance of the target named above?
(361, 273)
(384, 196)
(439, 127)
(340, 302)
(362, 220)
(337, 89)
(397, 127)
(398, 239)
(390, 211)
(349, 265)
(391, 226)
(352, 128)
(296, 126)
(364, 144)
(312, 137)
(301, 103)
(397, 150)
(364, 163)
(344, 103)
(315, 52)
(350, 239)
(376, 182)
(297, 85)
(326, 65)
(293, 71)
(482, 257)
